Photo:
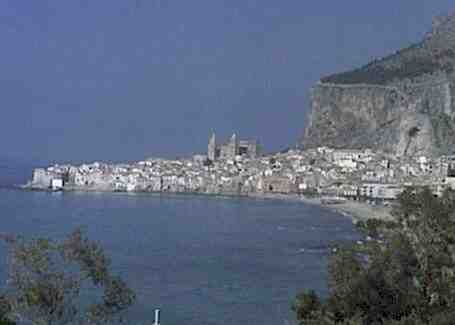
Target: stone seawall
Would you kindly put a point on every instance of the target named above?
(41, 178)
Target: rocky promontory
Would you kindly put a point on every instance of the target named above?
(402, 104)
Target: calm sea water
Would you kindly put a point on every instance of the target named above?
(201, 260)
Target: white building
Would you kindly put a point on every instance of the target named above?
(57, 184)
(351, 154)
(346, 163)
(380, 191)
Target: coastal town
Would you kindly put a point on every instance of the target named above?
(238, 168)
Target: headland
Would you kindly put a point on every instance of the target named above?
(359, 183)
(371, 132)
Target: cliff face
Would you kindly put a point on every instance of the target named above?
(403, 104)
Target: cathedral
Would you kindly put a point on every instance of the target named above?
(232, 148)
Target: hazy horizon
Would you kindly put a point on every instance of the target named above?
(124, 80)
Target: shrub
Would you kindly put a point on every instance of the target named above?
(410, 279)
(47, 280)
(413, 131)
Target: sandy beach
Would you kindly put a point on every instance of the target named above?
(359, 211)
(355, 210)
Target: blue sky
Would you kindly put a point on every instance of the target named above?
(127, 79)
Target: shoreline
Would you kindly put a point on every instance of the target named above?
(354, 210)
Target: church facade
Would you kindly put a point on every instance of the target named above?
(234, 147)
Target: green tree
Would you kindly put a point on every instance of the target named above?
(5, 310)
(64, 282)
(307, 305)
(408, 279)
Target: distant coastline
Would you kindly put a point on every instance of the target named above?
(354, 210)
(360, 184)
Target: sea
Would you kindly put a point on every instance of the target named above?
(201, 260)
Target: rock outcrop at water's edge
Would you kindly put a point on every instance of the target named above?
(402, 104)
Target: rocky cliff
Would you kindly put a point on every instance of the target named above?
(402, 104)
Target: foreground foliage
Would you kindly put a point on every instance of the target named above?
(407, 279)
(67, 282)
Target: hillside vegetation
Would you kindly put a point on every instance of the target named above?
(436, 53)
(408, 278)
(411, 63)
